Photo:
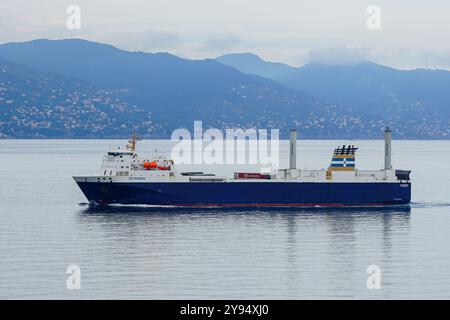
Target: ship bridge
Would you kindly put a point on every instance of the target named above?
(119, 153)
(117, 162)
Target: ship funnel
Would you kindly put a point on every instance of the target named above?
(387, 149)
(293, 149)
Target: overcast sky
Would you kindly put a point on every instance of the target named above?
(414, 33)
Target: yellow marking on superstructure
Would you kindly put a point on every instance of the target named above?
(341, 168)
(343, 156)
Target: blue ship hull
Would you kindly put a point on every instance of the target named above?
(245, 194)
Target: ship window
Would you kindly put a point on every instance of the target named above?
(104, 173)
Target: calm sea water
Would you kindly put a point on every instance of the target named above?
(168, 253)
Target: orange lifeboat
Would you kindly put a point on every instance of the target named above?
(150, 165)
(164, 167)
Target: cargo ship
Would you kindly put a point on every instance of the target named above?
(128, 179)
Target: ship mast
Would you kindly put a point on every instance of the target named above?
(132, 142)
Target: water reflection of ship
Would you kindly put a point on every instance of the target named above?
(156, 210)
(348, 239)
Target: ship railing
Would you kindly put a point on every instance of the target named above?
(376, 174)
(311, 173)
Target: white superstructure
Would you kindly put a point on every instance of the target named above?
(124, 165)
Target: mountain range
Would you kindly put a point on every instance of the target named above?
(418, 98)
(78, 88)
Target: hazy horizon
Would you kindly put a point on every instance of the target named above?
(236, 53)
(412, 33)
